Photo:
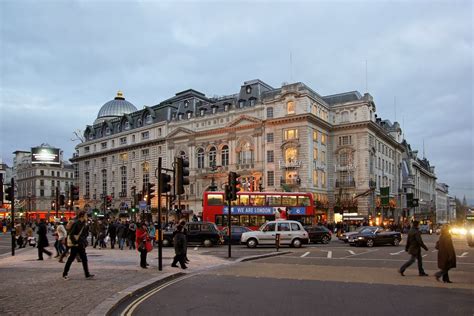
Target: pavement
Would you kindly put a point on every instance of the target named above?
(31, 287)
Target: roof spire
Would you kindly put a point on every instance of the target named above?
(119, 96)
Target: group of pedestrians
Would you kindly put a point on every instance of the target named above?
(445, 247)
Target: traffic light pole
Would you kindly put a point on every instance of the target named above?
(57, 202)
(229, 223)
(160, 229)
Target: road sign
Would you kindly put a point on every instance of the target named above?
(142, 205)
(384, 196)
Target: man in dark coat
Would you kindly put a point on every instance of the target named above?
(42, 240)
(179, 241)
(413, 247)
(446, 254)
(112, 232)
(78, 246)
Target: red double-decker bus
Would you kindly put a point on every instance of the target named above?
(252, 209)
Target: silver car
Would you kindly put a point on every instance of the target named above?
(290, 233)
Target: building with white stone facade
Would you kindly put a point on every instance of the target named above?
(442, 203)
(277, 139)
(36, 183)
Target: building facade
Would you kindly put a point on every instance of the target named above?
(442, 203)
(277, 139)
(37, 183)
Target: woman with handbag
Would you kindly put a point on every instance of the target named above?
(143, 243)
(446, 254)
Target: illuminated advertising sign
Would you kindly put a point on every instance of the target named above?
(45, 155)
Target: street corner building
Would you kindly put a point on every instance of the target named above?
(277, 139)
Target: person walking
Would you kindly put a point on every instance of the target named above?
(131, 235)
(43, 240)
(143, 243)
(112, 232)
(77, 241)
(413, 247)
(121, 234)
(446, 254)
(179, 241)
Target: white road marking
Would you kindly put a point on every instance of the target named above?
(362, 253)
(305, 254)
(423, 256)
(396, 253)
(195, 248)
(434, 250)
(464, 254)
(351, 252)
(329, 254)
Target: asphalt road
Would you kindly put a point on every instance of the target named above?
(316, 280)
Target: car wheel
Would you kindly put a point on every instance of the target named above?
(296, 243)
(252, 243)
(325, 240)
(396, 242)
(207, 243)
(370, 242)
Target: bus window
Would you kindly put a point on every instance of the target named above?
(219, 221)
(244, 199)
(235, 220)
(244, 220)
(288, 200)
(215, 199)
(257, 200)
(303, 201)
(273, 200)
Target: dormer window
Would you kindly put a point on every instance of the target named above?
(241, 103)
(252, 102)
(189, 114)
(248, 89)
(148, 118)
(186, 103)
(107, 131)
(139, 122)
(127, 125)
(180, 116)
(226, 107)
(202, 112)
(290, 107)
(214, 109)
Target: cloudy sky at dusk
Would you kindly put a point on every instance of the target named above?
(60, 61)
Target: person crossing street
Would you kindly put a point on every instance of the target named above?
(413, 247)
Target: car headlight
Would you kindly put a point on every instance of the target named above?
(463, 231)
(471, 231)
(360, 238)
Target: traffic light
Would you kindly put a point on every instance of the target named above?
(409, 199)
(415, 203)
(165, 185)
(234, 185)
(10, 194)
(108, 201)
(53, 204)
(182, 174)
(150, 191)
(62, 199)
(74, 192)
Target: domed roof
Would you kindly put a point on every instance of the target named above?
(115, 108)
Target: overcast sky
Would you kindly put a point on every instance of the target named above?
(60, 61)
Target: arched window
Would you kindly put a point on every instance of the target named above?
(200, 158)
(107, 130)
(148, 119)
(139, 122)
(291, 154)
(212, 156)
(126, 125)
(245, 154)
(225, 155)
(290, 107)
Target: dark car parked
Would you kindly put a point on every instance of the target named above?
(236, 233)
(204, 233)
(370, 238)
(318, 234)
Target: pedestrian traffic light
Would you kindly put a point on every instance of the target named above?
(234, 185)
(108, 201)
(53, 204)
(182, 174)
(165, 185)
(415, 203)
(10, 194)
(150, 191)
(75, 192)
(62, 199)
(133, 210)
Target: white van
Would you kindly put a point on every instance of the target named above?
(291, 233)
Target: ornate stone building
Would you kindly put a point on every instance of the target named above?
(278, 139)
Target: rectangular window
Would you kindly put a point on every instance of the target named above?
(41, 192)
(273, 200)
(215, 199)
(42, 183)
(323, 179)
(103, 145)
(323, 157)
(289, 200)
(123, 140)
(315, 178)
(145, 152)
(315, 135)
(257, 200)
(270, 138)
(345, 140)
(270, 178)
(159, 131)
(315, 154)
(291, 134)
(42, 172)
(145, 135)
(270, 156)
(323, 139)
(270, 112)
(133, 138)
